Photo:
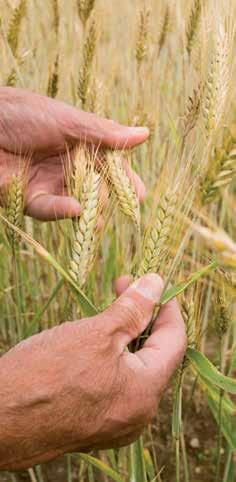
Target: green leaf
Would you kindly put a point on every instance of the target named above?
(209, 372)
(181, 287)
(87, 306)
(149, 464)
(33, 326)
(226, 423)
(137, 469)
(214, 393)
(101, 466)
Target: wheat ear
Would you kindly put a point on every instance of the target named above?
(85, 8)
(56, 16)
(87, 61)
(223, 315)
(193, 24)
(156, 239)
(123, 187)
(15, 25)
(15, 207)
(164, 30)
(142, 35)
(52, 89)
(84, 229)
(221, 170)
(189, 316)
(192, 111)
(216, 87)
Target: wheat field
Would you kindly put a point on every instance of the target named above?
(168, 65)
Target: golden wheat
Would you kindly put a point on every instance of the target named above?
(85, 8)
(216, 87)
(142, 35)
(221, 170)
(193, 24)
(84, 229)
(15, 207)
(88, 53)
(123, 187)
(15, 25)
(157, 237)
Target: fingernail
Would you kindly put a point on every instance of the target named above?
(149, 286)
(140, 130)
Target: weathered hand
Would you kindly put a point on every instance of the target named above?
(76, 388)
(43, 129)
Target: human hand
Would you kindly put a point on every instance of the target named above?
(76, 388)
(43, 129)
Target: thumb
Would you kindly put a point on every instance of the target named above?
(131, 313)
(48, 207)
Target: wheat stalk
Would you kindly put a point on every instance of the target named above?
(15, 207)
(87, 61)
(15, 25)
(123, 188)
(156, 240)
(84, 229)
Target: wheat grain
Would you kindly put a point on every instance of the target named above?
(123, 187)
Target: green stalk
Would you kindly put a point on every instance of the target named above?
(137, 462)
(228, 466)
(177, 423)
(184, 457)
(69, 468)
(219, 441)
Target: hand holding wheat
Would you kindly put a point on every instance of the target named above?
(86, 391)
(40, 130)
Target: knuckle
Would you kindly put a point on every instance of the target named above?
(132, 316)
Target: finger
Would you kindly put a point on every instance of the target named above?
(137, 183)
(50, 125)
(122, 284)
(130, 314)
(48, 207)
(165, 348)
